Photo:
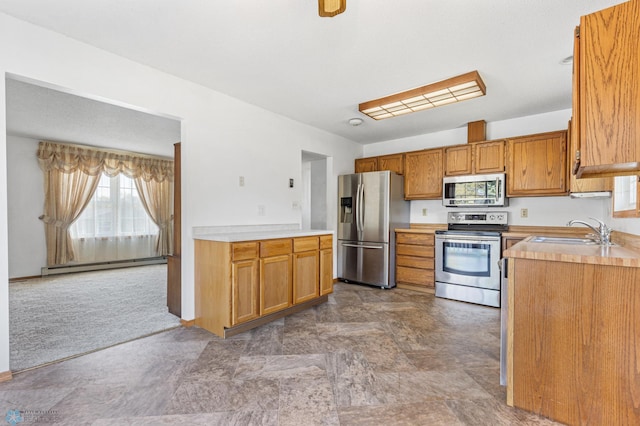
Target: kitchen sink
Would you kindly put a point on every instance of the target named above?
(563, 240)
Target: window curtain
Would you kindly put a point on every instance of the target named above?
(71, 175)
(157, 200)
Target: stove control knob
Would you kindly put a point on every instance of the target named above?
(492, 217)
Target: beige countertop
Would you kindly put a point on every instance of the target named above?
(615, 255)
(238, 233)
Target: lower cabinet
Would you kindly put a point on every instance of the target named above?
(241, 285)
(275, 280)
(326, 265)
(245, 305)
(306, 262)
(415, 261)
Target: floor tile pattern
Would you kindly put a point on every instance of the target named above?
(366, 357)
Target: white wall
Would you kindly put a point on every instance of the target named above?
(222, 138)
(25, 198)
(542, 211)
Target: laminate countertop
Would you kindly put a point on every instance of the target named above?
(616, 255)
(254, 235)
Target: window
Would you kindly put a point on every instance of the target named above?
(114, 211)
(114, 225)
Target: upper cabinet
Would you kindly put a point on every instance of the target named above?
(606, 95)
(474, 158)
(488, 157)
(576, 185)
(393, 162)
(457, 160)
(369, 164)
(423, 171)
(537, 165)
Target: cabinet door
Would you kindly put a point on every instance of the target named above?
(326, 272)
(577, 185)
(394, 162)
(366, 164)
(488, 157)
(423, 174)
(275, 283)
(245, 304)
(457, 160)
(609, 121)
(306, 284)
(537, 165)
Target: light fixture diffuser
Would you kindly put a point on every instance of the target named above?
(330, 8)
(455, 89)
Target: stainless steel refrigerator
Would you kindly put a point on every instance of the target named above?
(370, 206)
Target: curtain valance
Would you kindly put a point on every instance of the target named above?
(92, 161)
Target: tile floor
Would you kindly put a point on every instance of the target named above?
(366, 357)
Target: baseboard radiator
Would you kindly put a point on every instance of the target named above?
(98, 266)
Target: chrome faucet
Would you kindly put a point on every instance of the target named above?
(602, 232)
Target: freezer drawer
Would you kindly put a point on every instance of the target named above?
(364, 262)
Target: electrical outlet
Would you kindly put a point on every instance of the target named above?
(295, 205)
(524, 212)
(424, 212)
(241, 181)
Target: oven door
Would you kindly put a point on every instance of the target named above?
(468, 260)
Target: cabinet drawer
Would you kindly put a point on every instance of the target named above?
(418, 239)
(415, 276)
(326, 242)
(270, 248)
(305, 244)
(409, 250)
(415, 262)
(244, 251)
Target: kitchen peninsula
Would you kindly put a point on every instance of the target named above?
(574, 331)
(246, 276)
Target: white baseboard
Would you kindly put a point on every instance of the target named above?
(66, 269)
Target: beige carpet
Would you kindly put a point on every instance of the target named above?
(61, 316)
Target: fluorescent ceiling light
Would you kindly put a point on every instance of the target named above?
(451, 90)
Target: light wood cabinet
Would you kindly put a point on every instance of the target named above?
(245, 304)
(423, 171)
(392, 162)
(326, 264)
(241, 285)
(537, 165)
(573, 334)
(415, 261)
(475, 158)
(369, 164)
(577, 185)
(606, 95)
(457, 160)
(306, 263)
(489, 157)
(275, 277)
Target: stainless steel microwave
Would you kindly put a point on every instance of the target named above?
(474, 190)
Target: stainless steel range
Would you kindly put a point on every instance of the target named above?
(467, 256)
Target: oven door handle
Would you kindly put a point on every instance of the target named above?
(469, 239)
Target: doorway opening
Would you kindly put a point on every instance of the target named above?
(315, 205)
(39, 111)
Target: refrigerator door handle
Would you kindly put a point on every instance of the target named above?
(361, 246)
(357, 212)
(362, 207)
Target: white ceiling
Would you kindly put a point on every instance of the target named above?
(282, 56)
(37, 112)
